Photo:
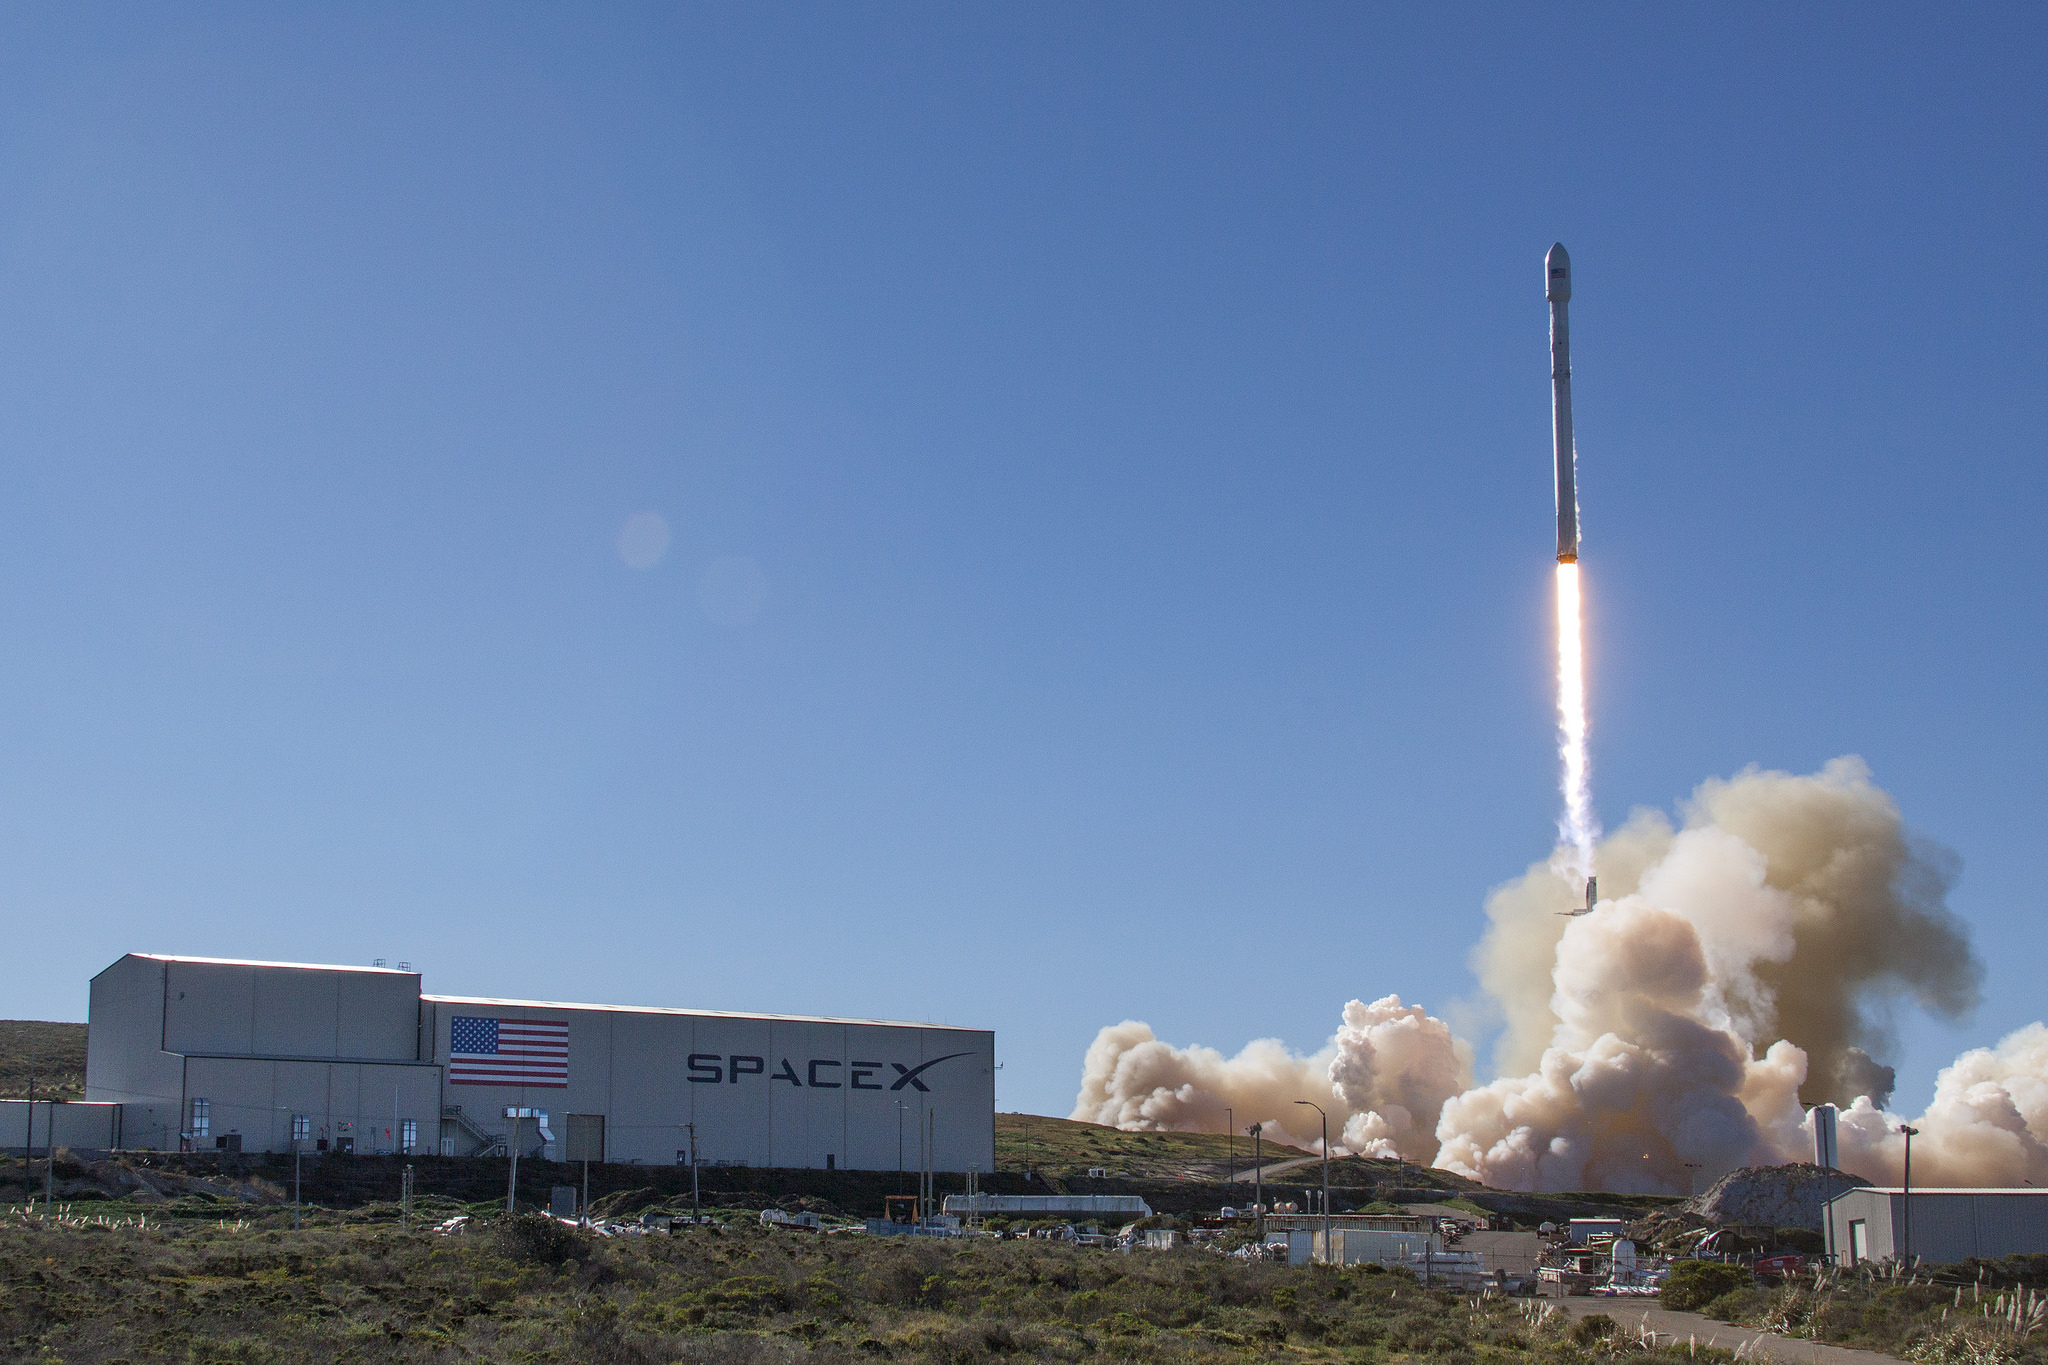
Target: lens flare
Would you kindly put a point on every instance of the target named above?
(1579, 828)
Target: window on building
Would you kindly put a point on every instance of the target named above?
(408, 1135)
(302, 1127)
(202, 1118)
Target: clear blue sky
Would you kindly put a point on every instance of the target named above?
(1105, 457)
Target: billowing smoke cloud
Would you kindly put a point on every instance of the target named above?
(1383, 1080)
(1742, 960)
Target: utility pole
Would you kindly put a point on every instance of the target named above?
(1326, 1179)
(1230, 1127)
(512, 1147)
(295, 1182)
(696, 1200)
(28, 1141)
(1259, 1179)
(1906, 1199)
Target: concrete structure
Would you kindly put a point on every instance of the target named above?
(1866, 1225)
(207, 1052)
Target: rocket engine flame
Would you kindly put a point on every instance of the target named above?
(1580, 827)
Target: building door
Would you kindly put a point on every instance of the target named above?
(1859, 1241)
(586, 1137)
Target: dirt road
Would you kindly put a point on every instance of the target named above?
(1681, 1327)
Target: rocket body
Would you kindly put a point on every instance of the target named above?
(1557, 270)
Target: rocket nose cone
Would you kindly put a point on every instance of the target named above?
(1557, 274)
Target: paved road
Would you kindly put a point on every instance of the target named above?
(1680, 1327)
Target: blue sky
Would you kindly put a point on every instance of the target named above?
(1104, 456)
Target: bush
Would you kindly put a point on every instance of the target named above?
(1695, 1284)
(1591, 1328)
(1738, 1305)
(538, 1238)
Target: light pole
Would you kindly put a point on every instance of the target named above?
(1906, 1198)
(28, 1141)
(1230, 1127)
(899, 1149)
(1326, 1176)
(696, 1200)
(1258, 1180)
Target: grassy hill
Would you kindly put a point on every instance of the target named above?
(57, 1052)
(1067, 1147)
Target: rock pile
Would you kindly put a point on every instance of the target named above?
(1773, 1196)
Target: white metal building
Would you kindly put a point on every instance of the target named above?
(1948, 1225)
(208, 1052)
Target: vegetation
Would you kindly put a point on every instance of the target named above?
(56, 1051)
(1976, 1313)
(1695, 1284)
(1069, 1147)
(533, 1290)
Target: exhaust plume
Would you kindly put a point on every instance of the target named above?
(1745, 959)
(1580, 827)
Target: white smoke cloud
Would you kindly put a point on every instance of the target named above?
(1382, 1079)
(1741, 961)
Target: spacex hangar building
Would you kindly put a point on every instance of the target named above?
(191, 1052)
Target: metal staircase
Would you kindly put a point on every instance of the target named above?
(487, 1143)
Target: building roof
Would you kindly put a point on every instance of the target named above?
(1941, 1189)
(252, 962)
(547, 1004)
(702, 1014)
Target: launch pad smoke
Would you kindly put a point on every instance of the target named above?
(1744, 958)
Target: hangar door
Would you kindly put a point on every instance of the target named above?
(586, 1137)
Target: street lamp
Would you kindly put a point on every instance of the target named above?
(1326, 1176)
(1906, 1198)
(1230, 1127)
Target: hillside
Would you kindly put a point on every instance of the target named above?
(57, 1052)
(1068, 1147)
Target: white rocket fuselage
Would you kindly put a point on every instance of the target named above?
(1557, 271)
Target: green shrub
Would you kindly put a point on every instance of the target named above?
(538, 1238)
(1591, 1328)
(1695, 1284)
(1737, 1305)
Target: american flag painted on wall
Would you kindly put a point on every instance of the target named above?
(508, 1051)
